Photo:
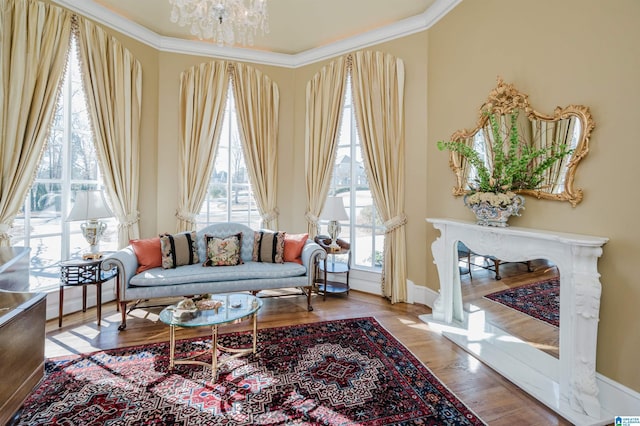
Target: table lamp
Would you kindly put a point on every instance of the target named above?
(334, 212)
(90, 206)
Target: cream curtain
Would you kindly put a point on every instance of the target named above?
(551, 134)
(34, 41)
(325, 97)
(257, 101)
(203, 96)
(113, 82)
(378, 96)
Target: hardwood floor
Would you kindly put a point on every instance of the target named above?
(493, 398)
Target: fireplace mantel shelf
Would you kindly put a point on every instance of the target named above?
(568, 384)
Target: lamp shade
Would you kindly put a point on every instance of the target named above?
(334, 209)
(89, 205)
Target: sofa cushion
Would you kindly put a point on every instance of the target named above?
(197, 274)
(293, 245)
(223, 251)
(225, 229)
(147, 252)
(268, 246)
(179, 249)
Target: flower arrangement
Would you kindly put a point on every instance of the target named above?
(516, 165)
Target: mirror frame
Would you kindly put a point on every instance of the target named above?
(505, 99)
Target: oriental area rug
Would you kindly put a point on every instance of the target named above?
(345, 372)
(540, 300)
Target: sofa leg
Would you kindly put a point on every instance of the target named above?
(308, 291)
(123, 311)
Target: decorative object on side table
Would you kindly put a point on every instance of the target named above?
(334, 211)
(91, 206)
(517, 165)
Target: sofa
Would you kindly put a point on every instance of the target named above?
(195, 279)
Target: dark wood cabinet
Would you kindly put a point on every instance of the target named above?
(22, 332)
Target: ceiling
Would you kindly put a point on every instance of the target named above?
(301, 31)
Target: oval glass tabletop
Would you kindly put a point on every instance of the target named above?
(234, 306)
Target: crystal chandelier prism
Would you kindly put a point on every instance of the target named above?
(223, 21)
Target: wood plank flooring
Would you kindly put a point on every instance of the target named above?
(496, 400)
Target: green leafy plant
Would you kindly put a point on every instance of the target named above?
(516, 166)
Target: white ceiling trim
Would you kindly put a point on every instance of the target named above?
(399, 29)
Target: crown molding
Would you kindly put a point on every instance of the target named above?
(108, 18)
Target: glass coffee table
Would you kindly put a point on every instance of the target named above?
(235, 307)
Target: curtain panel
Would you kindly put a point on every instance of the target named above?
(112, 79)
(325, 99)
(34, 40)
(257, 103)
(203, 96)
(378, 95)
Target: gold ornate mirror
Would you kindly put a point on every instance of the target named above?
(570, 127)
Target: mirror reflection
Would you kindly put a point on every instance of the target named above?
(567, 128)
(520, 298)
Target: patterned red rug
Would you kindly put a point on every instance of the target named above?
(343, 372)
(540, 300)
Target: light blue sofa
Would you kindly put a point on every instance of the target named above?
(191, 280)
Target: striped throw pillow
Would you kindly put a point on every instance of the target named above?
(179, 249)
(268, 246)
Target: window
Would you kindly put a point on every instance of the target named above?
(365, 230)
(68, 164)
(230, 196)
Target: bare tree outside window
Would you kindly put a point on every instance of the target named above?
(230, 195)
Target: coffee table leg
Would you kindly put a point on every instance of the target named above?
(214, 353)
(99, 301)
(60, 305)
(255, 331)
(172, 345)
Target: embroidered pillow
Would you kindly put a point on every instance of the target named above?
(148, 253)
(223, 251)
(268, 247)
(179, 249)
(293, 245)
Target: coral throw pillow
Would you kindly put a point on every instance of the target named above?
(223, 251)
(148, 253)
(293, 245)
(268, 246)
(179, 249)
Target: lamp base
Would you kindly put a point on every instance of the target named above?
(334, 230)
(92, 231)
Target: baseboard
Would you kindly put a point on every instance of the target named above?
(421, 294)
(617, 398)
(365, 281)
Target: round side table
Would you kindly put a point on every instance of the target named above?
(80, 272)
(330, 266)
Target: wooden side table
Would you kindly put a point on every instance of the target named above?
(331, 266)
(83, 273)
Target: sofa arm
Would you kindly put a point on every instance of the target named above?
(127, 263)
(312, 253)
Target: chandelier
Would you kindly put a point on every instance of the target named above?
(223, 21)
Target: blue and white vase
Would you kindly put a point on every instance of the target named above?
(490, 215)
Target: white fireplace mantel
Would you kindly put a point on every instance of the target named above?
(568, 384)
